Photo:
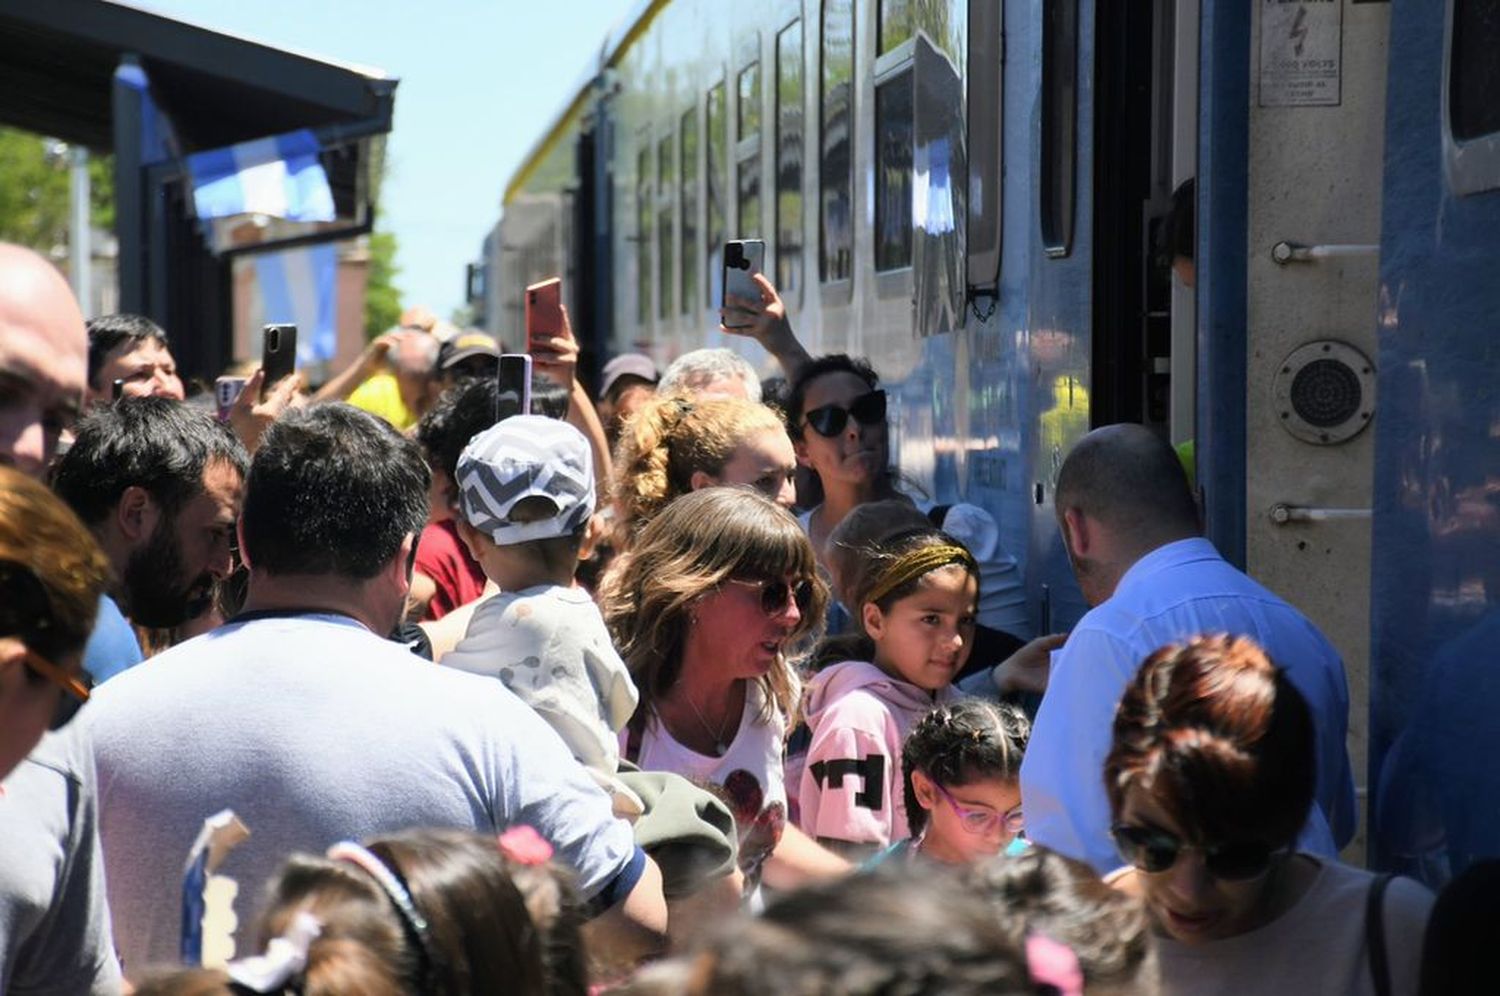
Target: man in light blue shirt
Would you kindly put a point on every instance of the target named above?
(1131, 529)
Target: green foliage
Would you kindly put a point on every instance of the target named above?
(34, 190)
(382, 298)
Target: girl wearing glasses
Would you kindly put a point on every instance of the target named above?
(916, 593)
(960, 772)
(1209, 778)
(705, 609)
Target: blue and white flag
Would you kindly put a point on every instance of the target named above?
(278, 176)
(300, 286)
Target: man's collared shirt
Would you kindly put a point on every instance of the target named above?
(1176, 591)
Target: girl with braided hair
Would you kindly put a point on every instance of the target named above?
(913, 595)
(961, 781)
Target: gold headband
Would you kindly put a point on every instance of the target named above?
(913, 565)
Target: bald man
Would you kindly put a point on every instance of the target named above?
(1132, 533)
(54, 924)
(43, 359)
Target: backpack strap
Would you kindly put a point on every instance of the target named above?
(1380, 968)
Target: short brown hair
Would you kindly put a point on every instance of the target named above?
(1220, 738)
(41, 534)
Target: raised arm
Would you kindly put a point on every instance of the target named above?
(558, 359)
(342, 384)
(766, 322)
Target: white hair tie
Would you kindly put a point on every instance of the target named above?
(284, 958)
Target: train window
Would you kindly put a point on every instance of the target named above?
(1474, 69)
(938, 19)
(688, 137)
(789, 160)
(1059, 123)
(666, 193)
(747, 154)
(716, 146)
(893, 172)
(643, 232)
(748, 109)
(836, 128)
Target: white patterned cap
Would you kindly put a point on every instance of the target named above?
(526, 456)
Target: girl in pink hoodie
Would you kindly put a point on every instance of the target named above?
(914, 597)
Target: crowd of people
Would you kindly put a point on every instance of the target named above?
(672, 687)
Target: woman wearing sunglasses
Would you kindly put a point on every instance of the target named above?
(51, 576)
(705, 608)
(1209, 778)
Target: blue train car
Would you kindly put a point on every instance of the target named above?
(973, 194)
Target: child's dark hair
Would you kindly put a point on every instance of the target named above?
(884, 571)
(961, 743)
(1043, 892)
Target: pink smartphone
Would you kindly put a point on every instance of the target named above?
(543, 311)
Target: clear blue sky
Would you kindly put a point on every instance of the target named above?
(480, 79)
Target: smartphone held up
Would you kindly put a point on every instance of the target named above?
(514, 383)
(278, 355)
(544, 319)
(743, 258)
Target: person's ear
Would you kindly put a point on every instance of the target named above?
(799, 447)
(702, 479)
(136, 514)
(873, 619)
(404, 562)
(472, 538)
(922, 786)
(239, 539)
(12, 667)
(1077, 531)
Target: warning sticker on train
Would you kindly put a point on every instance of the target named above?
(1301, 53)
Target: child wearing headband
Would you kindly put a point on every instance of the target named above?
(418, 913)
(914, 595)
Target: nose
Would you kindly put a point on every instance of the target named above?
(24, 441)
(1189, 877)
(786, 495)
(221, 559)
(790, 614)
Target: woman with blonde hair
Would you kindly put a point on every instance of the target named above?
(673, 446)
(718, 589)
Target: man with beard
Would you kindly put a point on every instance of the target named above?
(159, 485)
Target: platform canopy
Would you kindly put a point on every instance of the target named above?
(166, 97)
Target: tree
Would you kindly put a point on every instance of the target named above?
(34, 186)
(382, 298)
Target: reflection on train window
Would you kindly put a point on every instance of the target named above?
(643, 232)
(688, 136)
(666, 190)
(941, 20)
(789, 160)
(747, 167)
(1059, 123)
(1474, 72)
(717, 140)
(835, 196)
(748, 108)
(893, 168)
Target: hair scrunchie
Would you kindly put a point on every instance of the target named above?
(913, 565)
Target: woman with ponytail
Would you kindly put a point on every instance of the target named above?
(673, 446)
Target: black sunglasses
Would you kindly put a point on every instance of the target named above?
(26, 614)
(1153, 850)
(774, 594)
(829, 420)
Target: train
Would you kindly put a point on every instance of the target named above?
(972, 194)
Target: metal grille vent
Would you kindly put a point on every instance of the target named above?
(1324, 392)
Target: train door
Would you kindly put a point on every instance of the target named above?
(1435, 740)
(1145, 61)
(1315, 135)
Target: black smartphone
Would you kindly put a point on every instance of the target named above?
(514, 382)
(742, 259)
(278, 354)
(119, 388)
